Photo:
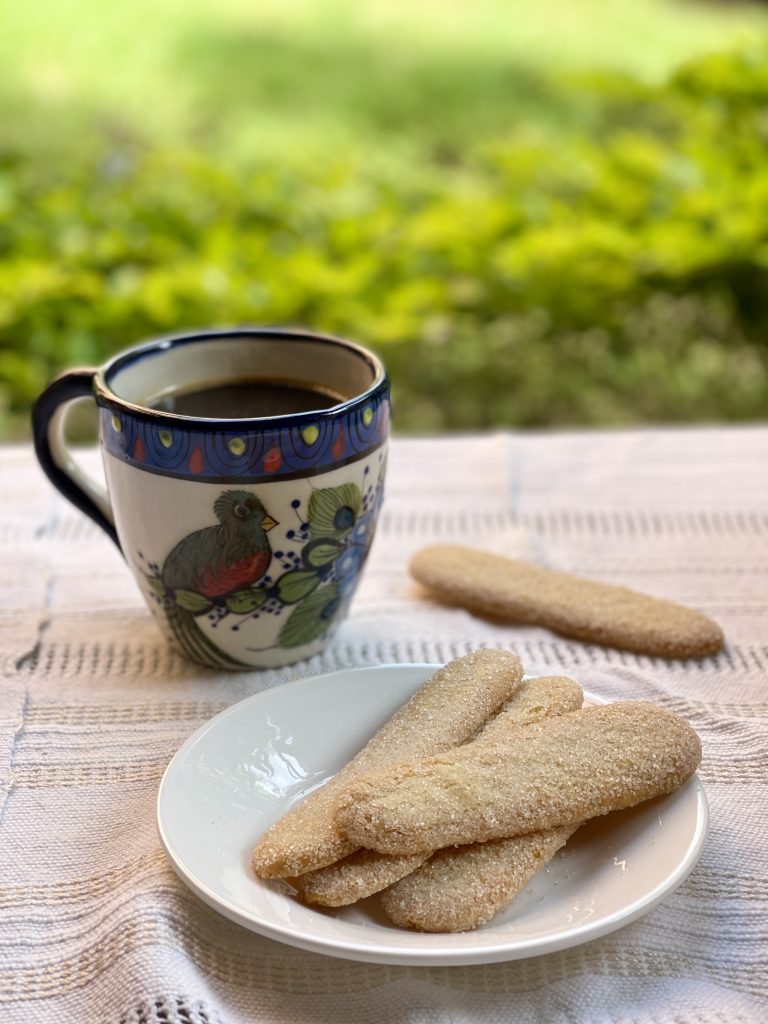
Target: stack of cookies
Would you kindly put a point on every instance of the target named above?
(470, 789)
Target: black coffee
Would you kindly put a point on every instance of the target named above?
(245, 400)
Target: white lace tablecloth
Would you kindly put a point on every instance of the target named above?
(96, 929)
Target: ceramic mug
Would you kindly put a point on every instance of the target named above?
(246, 536)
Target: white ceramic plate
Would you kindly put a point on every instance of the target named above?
(248, 765)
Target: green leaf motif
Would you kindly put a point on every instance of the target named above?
(295, 585)
(244, 601)
(156, 584)
(312, 618)
(332, 511)
(321, 552)
(191, 601)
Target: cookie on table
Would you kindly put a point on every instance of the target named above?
(601, 613)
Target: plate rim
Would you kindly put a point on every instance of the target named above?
(383, 954)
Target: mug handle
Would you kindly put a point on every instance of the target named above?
(48, 421)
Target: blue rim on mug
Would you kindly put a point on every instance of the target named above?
(220, 450)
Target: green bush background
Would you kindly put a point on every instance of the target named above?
(523, 247)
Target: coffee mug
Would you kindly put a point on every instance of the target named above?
(245, 473)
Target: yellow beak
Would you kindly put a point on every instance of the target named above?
(267, 523)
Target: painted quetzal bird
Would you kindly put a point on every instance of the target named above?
(210, 564)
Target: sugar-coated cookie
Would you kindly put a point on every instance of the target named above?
(555, 772)
(462, 887)
(447, 710)
(598, 612)
(364, 872)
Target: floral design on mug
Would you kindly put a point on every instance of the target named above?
(221, 571)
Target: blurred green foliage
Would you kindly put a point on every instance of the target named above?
(614, 276)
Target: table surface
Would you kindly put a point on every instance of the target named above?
(94, 926)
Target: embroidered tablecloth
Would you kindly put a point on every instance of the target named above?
(94, 925)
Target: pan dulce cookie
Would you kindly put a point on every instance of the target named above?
(352, 878)
(597, 612)
(364, 872)
(447, 710)
(462, 887)
(544, 697)
(555, 772)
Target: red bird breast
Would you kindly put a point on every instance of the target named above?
(224, 577)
